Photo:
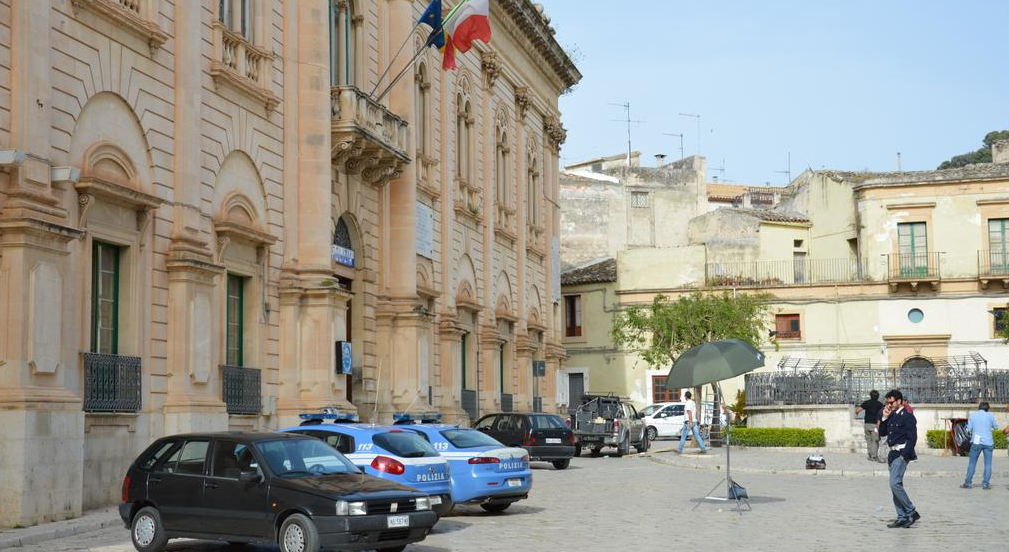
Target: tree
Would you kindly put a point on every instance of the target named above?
(982, 155)
(661, 331)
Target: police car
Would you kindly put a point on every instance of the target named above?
(385, 452)
(484, 471)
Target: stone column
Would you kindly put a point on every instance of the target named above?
(447, 390)
(41, 420)
(490, 364)
(194, 401)
(312, 305)
(524, 352)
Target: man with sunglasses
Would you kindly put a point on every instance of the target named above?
(901, 431)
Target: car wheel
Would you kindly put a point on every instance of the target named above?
(596, 451)
(495, 508)
(653, 433)
(643, 445)
(562, 464)
(625, 446)
(298, 534)
(147, 532)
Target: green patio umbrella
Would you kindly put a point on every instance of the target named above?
(712, 362)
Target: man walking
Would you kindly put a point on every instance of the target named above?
(980, 424)
(690, 410)
(871, 407)
(901, 431)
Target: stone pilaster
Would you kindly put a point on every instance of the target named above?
(449, 398)
(524, 351)
(490, 364)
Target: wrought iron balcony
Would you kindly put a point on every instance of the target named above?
(914, 269)
(507, 402)
(111, 383)
(993, 265)
(368, 139)
(242, 390)
(795, 272)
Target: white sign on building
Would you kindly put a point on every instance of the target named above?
(425, 231)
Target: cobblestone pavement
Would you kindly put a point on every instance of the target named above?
(644, 504)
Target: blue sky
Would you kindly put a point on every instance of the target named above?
(843, 85)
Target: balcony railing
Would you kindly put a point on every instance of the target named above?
(507, 402)
(469, 405)
(367, 138)
(243, 65)
(111, 383)
(914, 268)
(795, 272)
(242, 390)
(137, 16)
(993, 263)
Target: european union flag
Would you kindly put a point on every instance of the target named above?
(432, 18)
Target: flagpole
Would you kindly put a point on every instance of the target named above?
(427, 44)
(395, 57)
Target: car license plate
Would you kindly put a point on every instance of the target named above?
(514, 482)
(553, 441)
(398, 521)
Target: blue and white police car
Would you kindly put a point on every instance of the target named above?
(484, 471)
(385, 452)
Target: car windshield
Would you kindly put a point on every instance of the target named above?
(303, 458)
(405, 444)
(649, 410)
(468, 438)
(548, 422)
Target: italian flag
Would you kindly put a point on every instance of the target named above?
(471, 22)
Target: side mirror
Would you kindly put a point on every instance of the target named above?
(250, 477)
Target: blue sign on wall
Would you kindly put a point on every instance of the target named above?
(344, 358)
(539, 368)
(343, 256)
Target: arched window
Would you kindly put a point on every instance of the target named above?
(918, 380)
(464, 123)
(421, 108)
(502, 179)
(341, 42)
(237, 16)
(532, 185)
(343, 247)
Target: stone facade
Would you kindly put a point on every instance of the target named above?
(175, 176)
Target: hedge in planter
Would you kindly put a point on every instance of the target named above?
(937, 438)
(778, 437)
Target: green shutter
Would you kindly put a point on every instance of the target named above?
(104, 298)
(235, 321)
(464, 336)
(501, 366)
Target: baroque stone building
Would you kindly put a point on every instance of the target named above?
(201, 203)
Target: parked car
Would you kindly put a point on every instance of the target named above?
(608, 421)
(386, 453)
(546, 437)
(285, 489)
(484, 471)
(666, 419)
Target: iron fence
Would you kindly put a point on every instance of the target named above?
(914, 266)
(507, 402)
(469, 403)
(111, 383)
(954, 380)
(798, 271)
(993, 263)
(242, 390)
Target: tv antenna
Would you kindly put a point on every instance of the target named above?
(698, 117)
(627, 119)
(720, 169)
(680, 136)
(789, 171)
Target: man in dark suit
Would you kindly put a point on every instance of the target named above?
(901, 431)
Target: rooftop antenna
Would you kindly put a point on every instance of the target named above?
(627, 119)
(720, 169)
(900, 167)
(698, 117)
(789, 171)
(680, 136)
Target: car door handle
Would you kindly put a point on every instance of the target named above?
(155, 480)
(209, 485)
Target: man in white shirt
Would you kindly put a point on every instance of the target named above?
(690, 423)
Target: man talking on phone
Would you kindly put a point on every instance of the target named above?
(901, 431)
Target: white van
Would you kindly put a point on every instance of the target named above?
(666, 419)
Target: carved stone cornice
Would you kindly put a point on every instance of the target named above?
(492, 67)
(126, 18)
(523, 99)
(520, 19)
(90, 188)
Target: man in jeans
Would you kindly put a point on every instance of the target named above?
(980, 424)
(689, 410)
(871, 408)
(901, 431)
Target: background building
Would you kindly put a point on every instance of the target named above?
(201, 201)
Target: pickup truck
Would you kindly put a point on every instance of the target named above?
(607, 421)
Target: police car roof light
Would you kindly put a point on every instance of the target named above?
(330, 413)
(424, 417)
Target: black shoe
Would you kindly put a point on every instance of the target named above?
(897, 523)
(910, 521)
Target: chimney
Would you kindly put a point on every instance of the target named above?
(1000, 151)
(660, 159)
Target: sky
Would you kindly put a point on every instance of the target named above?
(839, 85)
